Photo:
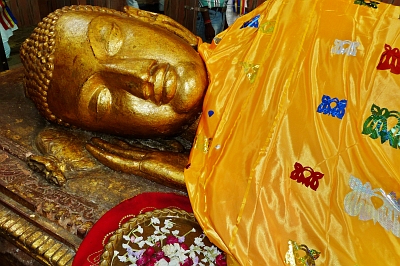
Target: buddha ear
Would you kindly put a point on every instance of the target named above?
(163, 22)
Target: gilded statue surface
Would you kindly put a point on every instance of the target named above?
(131, 74)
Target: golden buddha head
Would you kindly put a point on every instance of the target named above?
(129, 73)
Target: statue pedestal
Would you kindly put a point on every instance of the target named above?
(43, 220)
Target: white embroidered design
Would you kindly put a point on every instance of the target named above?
(345, 47)
(358, 203)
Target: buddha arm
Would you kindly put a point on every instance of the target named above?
(159, 166)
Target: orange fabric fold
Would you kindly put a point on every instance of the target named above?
(260, 117)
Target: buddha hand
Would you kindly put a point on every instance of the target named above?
(160, 166)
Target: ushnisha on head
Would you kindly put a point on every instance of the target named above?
(130, 73)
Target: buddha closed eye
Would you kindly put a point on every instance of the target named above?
(106, 39)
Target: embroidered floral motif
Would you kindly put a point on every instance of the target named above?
(293, 258)
(358, 203)
(377, 126)
(251, 71)
(267, 27)
(253, 23)
(217, 40)
(345, 47)
(311, 180)
(202, 143)
(390, 59)
(372, 4)
(337, 110)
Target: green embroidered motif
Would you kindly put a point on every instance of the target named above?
(251, 71)
(377, 126)
(267, 27)
(372, 4)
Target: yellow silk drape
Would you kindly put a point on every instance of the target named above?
(260, 118)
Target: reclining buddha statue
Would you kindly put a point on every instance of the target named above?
(297, 147)
(130, 73)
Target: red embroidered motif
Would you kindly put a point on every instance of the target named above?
(390, 59)
(312, 180)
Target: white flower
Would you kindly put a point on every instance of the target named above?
(161, 237)
(169, 250)
(125, 246)
(125, 237)
(151, 240)
(138, 239)
(174, 262)
(140, 229)
(141, 243)
(122, 258)
(211, 252)
(175, 232)
(165, 230)
(175, 251)
(157, 231)
(161, 262)
(181, 253)
(193, 250)
(168, 223)
(199, 241)
(155, 220)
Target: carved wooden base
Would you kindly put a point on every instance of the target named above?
(46, 221)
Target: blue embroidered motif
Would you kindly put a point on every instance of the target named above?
(376, 126)
(338, 110)
(253, 23)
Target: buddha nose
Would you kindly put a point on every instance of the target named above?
(133, 67)
(146, 79)
(129, 75)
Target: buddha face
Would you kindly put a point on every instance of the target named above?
(120, 75)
